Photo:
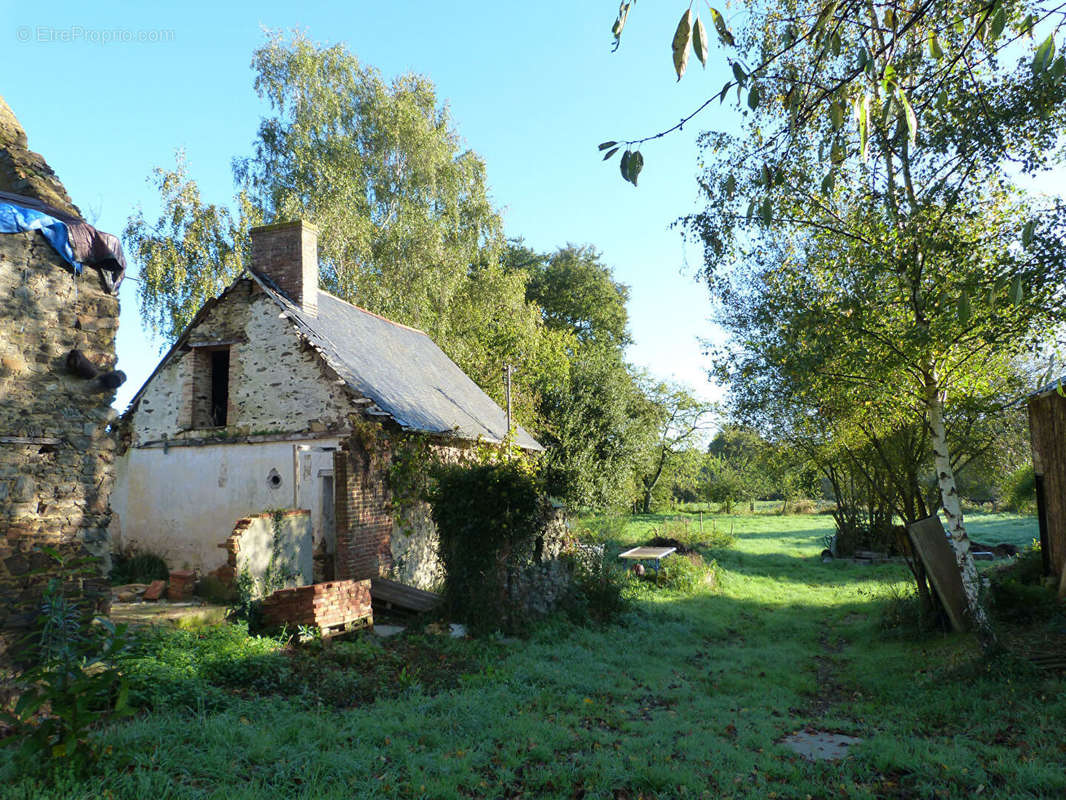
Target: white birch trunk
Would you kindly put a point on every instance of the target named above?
(949, 497)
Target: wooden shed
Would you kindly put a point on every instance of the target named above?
(1047, 430)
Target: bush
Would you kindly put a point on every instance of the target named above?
(1017, 590)
(686, 573)
(802, 506)
(684, 534)
(598, 591)
(73, 685)
(138, 568)
(488, 519)
(1019, 491)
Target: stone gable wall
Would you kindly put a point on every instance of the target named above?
(56, 454)
(276, 383)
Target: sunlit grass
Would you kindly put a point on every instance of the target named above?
(687, 697)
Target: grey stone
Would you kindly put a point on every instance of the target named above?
(385, 631)
(24, 490)
(820, 745)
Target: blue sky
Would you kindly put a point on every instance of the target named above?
(532, 87)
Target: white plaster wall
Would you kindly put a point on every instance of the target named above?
(183, 503)
(293, 555)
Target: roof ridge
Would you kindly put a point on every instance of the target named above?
(373, 314)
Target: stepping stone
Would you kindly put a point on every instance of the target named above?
(819, 745)
(385, 631)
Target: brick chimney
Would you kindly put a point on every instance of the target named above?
(287, 253)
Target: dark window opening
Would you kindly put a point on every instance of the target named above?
(219, 386)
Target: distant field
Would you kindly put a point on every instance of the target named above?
(987, 528)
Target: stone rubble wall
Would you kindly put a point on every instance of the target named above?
(277, 384)
(376, 535)
(56, 453)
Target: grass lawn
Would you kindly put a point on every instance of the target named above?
(687, 697)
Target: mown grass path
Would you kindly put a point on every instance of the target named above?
(687, 698)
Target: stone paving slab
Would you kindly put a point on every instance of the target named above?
(820, 745)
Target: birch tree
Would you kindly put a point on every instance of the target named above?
(879, 144)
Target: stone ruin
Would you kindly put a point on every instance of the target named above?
(56, 453)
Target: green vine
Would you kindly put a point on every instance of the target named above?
(279, 571)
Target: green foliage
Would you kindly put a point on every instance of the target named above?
(600, 428)
(247, 601)
(212, 589)
(71, 689)
(488, 520)
(692, 535)
(142, 567)
(686, 573)
(1020, 489)
(1018, 592)
(902, 615)
(539, 706)
(599, 591)
(420, 244)
(681, 420)
(575, 291)
(213, 668)
(189, 254)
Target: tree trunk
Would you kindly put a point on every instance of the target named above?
(651, 480)
(949, 497)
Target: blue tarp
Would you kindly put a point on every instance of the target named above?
(18, 219)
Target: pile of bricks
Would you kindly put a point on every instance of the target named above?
(181, 585)
(327, 605)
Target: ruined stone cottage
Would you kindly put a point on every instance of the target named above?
(281, 396)
(58, 293)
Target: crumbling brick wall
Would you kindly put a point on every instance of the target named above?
(363, 510)
(56, 454)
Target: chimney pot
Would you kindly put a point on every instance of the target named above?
(287, 253)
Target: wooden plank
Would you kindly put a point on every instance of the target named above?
(400, 595)
(938, 556)
(1047, 429)
(642, 553)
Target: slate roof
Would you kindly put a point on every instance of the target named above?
(400, 368)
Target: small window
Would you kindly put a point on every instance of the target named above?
(219, 386)
(210, 387)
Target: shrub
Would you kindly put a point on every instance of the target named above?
(598, 591)
(686, 573)
(143, 567)
(488, 520)
(802, 506)
(1017, 590)
(901, 614)
(1019, 491)
(74, 681)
